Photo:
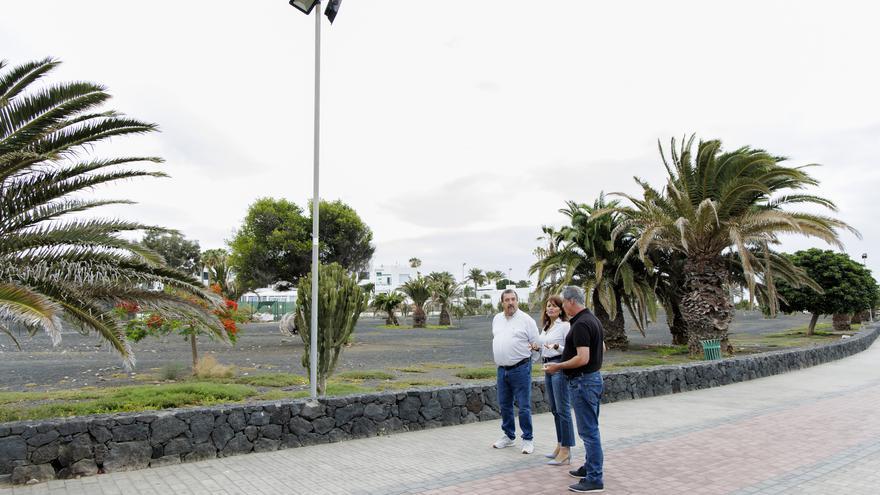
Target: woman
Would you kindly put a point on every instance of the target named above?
(552, 340)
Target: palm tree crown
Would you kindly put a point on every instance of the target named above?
(716, 201)
(53, 267)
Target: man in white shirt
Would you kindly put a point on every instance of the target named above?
(514, 337)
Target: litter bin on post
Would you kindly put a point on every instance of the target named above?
(711, 349)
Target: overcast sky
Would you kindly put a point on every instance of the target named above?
(456, 129)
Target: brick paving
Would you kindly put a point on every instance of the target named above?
(809, 432)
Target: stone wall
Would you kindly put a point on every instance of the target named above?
(64, 448)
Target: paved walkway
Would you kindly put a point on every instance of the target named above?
(812, 431)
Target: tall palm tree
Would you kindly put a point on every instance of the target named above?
(590, 257)
(419, 290)
(717, 201)
(495, 276)
(476, 276)
(444, 289)
(55, 268)
(220, 271)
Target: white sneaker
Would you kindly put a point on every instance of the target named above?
(528, 446)
(504, 442)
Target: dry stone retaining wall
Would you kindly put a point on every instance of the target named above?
(65, 448)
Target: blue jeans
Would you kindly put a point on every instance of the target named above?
(560, 405)
(586, 393)
(516, 384)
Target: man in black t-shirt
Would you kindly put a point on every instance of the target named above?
(581, 361)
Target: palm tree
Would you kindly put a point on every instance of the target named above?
(388, 303)
(495, 276)
(419, 290)
(718, 201)
(476, 276)
(54, 268)
(444, 290)
(588, 256)
(220, 271)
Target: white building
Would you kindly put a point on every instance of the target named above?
(493, 295)
(388, 278)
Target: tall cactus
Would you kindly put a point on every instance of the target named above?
(340, 303)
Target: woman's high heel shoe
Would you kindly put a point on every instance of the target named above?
(554, 453)
(563, 458)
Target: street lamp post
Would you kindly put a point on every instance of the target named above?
(865, 264)
(306, 6)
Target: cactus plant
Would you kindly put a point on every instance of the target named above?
(340, 302)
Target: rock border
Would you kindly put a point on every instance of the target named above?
(33, 451)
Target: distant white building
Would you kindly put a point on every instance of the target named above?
(388, 278)
(493, 295)
(268, 294)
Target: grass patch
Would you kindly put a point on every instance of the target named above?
(337, 389)
(407, 384)
(135, 398)
(670, 350)
(79, 394)
(364, 375)
(821, 330)
(443, 366)
(409, 369)
(272, 380)
(280, 395)
(174, 371)
(477, 373)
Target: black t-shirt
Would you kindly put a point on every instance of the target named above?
(586, 331)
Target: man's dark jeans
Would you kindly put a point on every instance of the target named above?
(516, 384)
(586, 394)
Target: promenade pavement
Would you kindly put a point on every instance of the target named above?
(807, 432)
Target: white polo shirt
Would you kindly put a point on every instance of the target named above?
(511, 337)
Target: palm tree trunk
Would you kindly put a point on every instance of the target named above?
(841, 321)
(195, 353)
(615, 331)
(813, 319)
(705, 304)
(444, 315)
(419, 317)
(678, 328)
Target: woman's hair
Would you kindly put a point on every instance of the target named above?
(546, 322)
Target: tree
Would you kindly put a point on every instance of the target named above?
(216, 261)
(344, 237)
(341, 303)
(847, 286)
(388, 303)
(589, 255)
(522, 284)
(55, 268)
(476, 276)
(274, 242)
(494, 276)
(419, 290)
(714, 201)
(503, 283)
(444, 290)
(415, 262)
(177, 251)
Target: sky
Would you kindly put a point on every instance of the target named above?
(457, 129)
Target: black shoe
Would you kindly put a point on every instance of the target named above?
(584, 486)
(578, 473)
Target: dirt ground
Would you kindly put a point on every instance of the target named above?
(85, 361)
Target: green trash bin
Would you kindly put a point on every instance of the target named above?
(711, 349)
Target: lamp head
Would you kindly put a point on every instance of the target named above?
(304, 6)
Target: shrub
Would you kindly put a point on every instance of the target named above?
(208, 367)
